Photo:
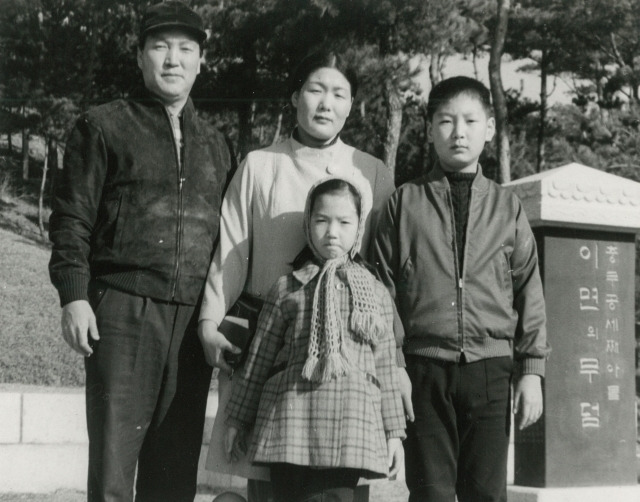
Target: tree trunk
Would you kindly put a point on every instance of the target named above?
(25, 154)
(499, 100)
(434, 68)
(393, 103)
(245, 128)
(540, 164)
(599, 86)
(476, 73)
(424, 144)
(276, 135)
(428, 156)
(246, 109)
(9, 144)
(43, 183)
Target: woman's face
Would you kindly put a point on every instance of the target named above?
(322, 106)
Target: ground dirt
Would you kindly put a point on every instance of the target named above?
(380, 491)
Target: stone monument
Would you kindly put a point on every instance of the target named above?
(584, 446)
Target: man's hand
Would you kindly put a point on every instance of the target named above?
(395, 454)
(527, 403)
(405, 392)
(78, 319)
(214, 344)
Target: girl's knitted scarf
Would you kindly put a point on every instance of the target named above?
(327, 353)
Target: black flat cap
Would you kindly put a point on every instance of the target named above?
(172, 14)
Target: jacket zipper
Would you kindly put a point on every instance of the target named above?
(465, 261)
(180, 172)
(459, 277)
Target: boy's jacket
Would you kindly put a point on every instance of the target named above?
(125, 211)
(496, 308)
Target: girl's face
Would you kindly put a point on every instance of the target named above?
(322, 106)
(334, 224)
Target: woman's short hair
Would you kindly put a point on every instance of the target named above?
(322, 59)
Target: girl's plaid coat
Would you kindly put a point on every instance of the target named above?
(341, 423)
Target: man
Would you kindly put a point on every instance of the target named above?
(134, 225)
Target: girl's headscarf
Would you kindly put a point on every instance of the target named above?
(327, 354)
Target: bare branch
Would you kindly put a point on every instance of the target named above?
(616, 52)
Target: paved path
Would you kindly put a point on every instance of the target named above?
(381, 491)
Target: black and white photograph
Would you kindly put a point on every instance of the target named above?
(319, 250)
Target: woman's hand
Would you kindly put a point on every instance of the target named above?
(215, 344)
(229, 440)
(395, 454)
(235, 444)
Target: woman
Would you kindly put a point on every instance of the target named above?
(261, 230)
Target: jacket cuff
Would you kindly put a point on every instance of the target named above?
(533, 366)
(72, 287)
(400, 358)
(398, 433)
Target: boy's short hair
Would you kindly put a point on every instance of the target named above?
(449, 88)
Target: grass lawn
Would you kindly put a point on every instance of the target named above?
(33, 351)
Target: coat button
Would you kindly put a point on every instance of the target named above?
(331, 169)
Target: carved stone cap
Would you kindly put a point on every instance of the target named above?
(577, 195)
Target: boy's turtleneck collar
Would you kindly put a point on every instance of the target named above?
(458, 176)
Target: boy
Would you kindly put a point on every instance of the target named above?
(459, 258)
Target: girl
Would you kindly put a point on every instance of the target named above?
(321, 377)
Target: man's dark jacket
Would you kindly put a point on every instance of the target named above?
(127, 212)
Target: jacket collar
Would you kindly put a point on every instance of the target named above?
(438, 180)
(145, 97)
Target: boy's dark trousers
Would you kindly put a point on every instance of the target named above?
(458, 443)
(147, 387)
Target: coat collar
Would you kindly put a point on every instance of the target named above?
(438, 180)
(145, 97)
(307, 272)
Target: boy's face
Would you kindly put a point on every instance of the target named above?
(459, 130)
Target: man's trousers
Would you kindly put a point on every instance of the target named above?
(147, 384)
(458, 443)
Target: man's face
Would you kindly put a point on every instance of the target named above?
(170, 61)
